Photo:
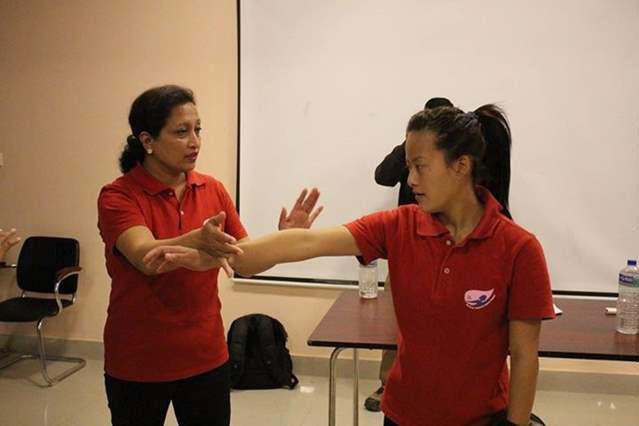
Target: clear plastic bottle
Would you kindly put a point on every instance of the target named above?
(368, 280)
(628, 300)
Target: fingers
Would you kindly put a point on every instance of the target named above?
(216, 249)
(301, 198)
(281, 224)
(9, 238)
(314, 215)
(212, 232)
(227, 268)
(216, 220)
(311, 200)
(218, 243)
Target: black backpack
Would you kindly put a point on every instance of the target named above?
(258, 355)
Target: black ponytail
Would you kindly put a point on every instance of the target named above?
(149, 113)
(482, 135)
(132, 154)
(496, 161)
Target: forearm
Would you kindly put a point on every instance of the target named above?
(523, 383)
(136, 242)
(293, 245)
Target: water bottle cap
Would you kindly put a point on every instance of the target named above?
(632, 262)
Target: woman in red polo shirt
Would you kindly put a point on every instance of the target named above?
(469, 285)
(164, 338)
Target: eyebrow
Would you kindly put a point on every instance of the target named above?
(412, 160)
(186, 123)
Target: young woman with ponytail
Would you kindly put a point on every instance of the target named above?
(469, 285)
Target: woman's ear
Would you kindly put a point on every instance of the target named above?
(146, 140)
(463, 165)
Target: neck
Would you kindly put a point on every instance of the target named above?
(462, 214)
(163, 174)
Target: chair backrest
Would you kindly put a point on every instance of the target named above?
(41, 258)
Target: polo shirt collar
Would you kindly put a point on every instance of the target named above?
(152, 186)
(428, 226)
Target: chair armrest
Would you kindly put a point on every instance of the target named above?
(61, 275)
(67, 272)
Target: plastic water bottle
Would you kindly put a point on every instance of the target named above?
(368, 280)
(628, 300)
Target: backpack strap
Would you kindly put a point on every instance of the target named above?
(236, 341)
(267, 328)
(266, 336)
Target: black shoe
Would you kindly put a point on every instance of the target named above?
(372, 403)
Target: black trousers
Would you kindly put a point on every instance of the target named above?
(202, 400)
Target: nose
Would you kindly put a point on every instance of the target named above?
(194, 139)
(412, 179)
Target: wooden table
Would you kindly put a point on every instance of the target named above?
(582, 331)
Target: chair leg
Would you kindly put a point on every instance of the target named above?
(80, 363)
(13, 358)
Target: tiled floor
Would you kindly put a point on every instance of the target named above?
(80, 401)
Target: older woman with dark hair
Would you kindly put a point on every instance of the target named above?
(164, 337)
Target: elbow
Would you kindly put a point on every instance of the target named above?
(244, 272)
(242, 266)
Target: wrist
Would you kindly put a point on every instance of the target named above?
(194, 239)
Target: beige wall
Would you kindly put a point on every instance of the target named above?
(69, 72)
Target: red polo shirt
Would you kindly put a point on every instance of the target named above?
(453, 304)
(168, 326)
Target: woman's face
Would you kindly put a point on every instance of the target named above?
(176, 148)
(434, 182)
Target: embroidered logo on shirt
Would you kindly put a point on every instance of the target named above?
(478, 299)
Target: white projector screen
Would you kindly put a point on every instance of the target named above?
(327, 87)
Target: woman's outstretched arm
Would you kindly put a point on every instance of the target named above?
(292, 245)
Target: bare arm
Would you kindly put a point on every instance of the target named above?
(137, 242)
(293, 245)
(524, 366)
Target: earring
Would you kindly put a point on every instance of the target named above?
(149, 151)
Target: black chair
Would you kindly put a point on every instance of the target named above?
(47, 274)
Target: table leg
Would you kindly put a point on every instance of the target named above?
(332, 385)
(355, 387)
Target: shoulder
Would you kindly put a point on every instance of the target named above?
(207, 181)
(515, 236)
(122, 185)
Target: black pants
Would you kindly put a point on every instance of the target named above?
(202, 400)
(389, 422)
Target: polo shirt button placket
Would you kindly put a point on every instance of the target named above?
(446, 271)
